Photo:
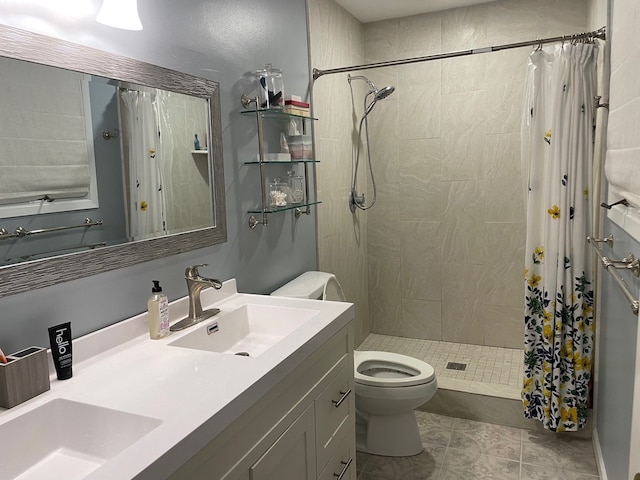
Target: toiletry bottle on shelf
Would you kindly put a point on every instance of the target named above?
(158, 306)
(196, 142)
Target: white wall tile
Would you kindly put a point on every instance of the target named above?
(421, 319)
(337, 39)
(420, 175)
(446, 153)
(420, 34)
(420, 260)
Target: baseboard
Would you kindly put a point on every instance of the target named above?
(598, 451)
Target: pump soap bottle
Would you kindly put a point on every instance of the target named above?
(158, 306)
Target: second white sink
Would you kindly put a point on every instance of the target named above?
(248, 330)
(67, 440)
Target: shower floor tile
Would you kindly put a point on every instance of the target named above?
(493, 371)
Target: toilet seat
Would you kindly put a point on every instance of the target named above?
(385, 369)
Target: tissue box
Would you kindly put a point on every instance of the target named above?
(24, 377)
(300, 147)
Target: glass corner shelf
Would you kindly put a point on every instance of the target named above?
(283, 162)
(274, 113)
(285, 208)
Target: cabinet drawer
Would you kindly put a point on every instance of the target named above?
(342, 465)
(333, 408)
(291, 457)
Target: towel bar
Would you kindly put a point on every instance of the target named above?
(21, 232)
(629, 263)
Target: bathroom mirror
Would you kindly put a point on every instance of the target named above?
(187, 106)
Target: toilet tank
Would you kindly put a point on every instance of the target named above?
(314, 285)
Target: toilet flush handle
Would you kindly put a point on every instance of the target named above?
(337, 403)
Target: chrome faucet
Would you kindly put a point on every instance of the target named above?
(196, 283)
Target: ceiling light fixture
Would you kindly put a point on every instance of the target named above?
(120, 14)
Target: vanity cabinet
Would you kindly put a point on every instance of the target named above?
(302, 429)
(267, 208)
(291, 456)
(342, 464)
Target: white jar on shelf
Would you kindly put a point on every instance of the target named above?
(277, 193)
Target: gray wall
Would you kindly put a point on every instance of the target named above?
(617, 325)
(616, 361)
(223, 40)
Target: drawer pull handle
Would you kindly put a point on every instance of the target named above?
(344, 469)
(337, 403)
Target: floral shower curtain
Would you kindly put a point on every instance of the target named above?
(145, 173)
(557, 139)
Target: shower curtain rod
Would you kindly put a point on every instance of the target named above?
(600, 33)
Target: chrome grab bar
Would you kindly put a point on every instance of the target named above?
(21, 232)
(629, 263)
(608, 240)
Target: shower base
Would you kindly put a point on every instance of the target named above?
(487, 390)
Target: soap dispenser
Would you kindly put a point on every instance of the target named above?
(158, 306)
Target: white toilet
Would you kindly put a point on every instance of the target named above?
(388, 386)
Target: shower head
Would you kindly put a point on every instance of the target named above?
(384, 92)
(378, 95)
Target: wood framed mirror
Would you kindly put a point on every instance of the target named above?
(100, 248)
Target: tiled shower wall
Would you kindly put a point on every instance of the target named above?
(446, 240)
(188, 199)
(336, 40)
(441, 255)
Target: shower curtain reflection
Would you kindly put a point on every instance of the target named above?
(143, 164)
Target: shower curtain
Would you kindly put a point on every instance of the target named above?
(557, 142)
(146, 196)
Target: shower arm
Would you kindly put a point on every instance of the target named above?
(372, 86)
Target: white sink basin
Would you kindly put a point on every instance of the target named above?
(250, 329)
(67, 440)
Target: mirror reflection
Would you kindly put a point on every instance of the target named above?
(105, 214)
(88, 161)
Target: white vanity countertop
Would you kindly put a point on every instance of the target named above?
(195, 394)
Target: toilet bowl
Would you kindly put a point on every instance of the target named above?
(388, 386)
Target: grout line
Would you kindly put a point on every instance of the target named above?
(521, 451)
(442, 463)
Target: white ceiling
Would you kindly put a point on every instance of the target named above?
(373, 10)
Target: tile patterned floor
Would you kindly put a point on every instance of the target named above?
(489, 369)
(459, 449)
